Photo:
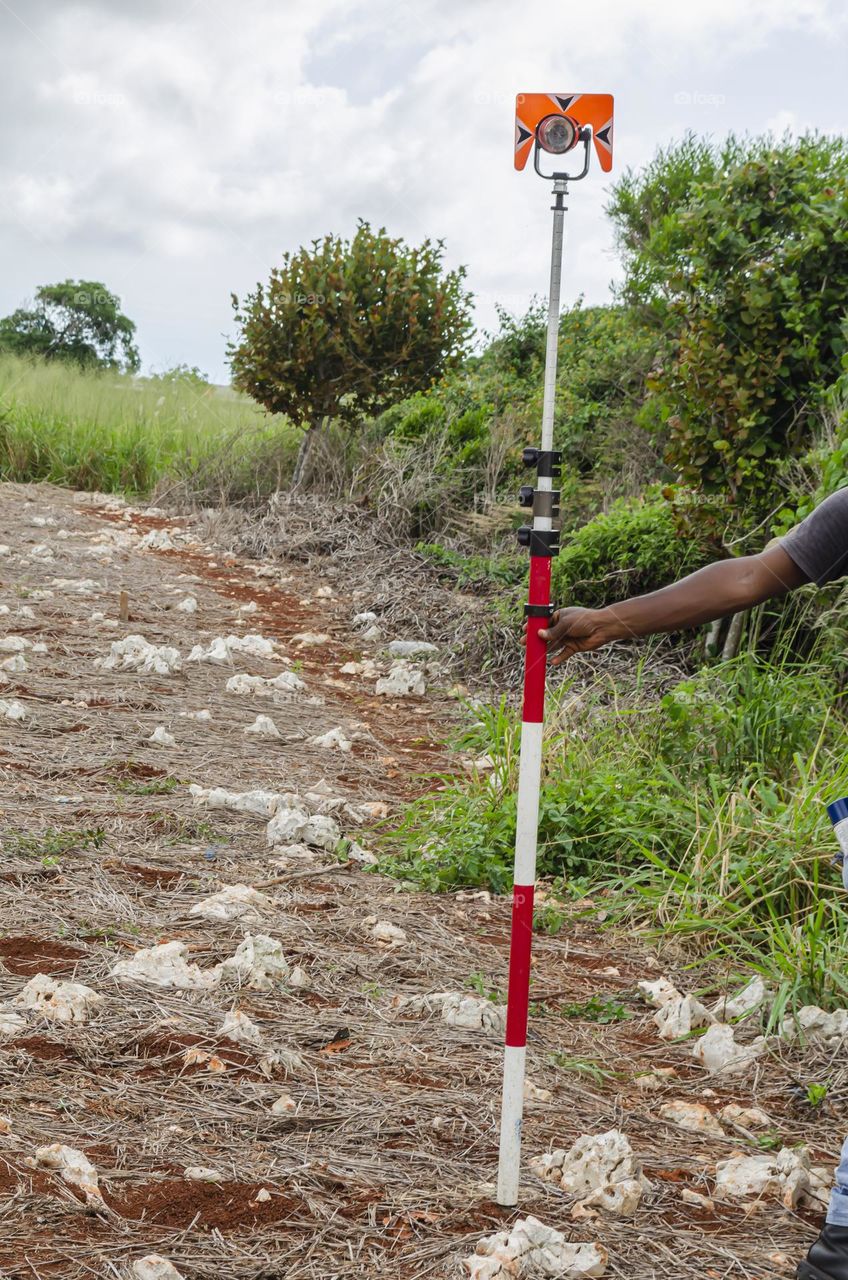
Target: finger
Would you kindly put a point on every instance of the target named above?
(563, 655)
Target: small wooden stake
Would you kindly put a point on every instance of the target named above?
(124, 606)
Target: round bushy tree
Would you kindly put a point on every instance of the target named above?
(345, 328)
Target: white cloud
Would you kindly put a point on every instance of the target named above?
(177, 152)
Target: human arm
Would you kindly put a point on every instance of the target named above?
(727, 586)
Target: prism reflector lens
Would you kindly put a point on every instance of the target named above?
(556, 134)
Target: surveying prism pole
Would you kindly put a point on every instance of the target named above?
(554, 132)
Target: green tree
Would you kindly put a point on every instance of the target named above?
(344, 329)
(77, 320)
(744, 263)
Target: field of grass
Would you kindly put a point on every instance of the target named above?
(120, 434)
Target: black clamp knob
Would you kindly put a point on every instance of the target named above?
(525, 495)
(548, 462)
(542, 542)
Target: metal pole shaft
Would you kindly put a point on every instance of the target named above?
(529, 777)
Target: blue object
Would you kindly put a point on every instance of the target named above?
(837, 810)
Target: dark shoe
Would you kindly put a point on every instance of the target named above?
(828, 1257)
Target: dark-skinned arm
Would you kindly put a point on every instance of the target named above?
(726, 587)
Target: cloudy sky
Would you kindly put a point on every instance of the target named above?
(176, 148)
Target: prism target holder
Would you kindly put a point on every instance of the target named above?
(556, 124)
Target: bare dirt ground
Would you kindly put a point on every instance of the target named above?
(384, 1166)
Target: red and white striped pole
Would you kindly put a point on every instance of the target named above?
(543, 541)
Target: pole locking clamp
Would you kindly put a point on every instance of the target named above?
(542, 542)
(548, 462)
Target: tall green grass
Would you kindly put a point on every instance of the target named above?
(120, 434)
(700, 816)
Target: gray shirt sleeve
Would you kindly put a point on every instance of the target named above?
(819, 544)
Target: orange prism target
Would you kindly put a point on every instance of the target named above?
(593, 109)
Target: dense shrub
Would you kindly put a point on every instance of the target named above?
(739, 251)
(633, 548)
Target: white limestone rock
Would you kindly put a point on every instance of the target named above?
(688, 1196)
(165, 965)
(718, 1051)
(155, 1267)
(16, 663)
(14, 644)
(681, 1015)
(137, 654)
(813, 1024)
(364, 619)
(295, 825)
(258, 963)
(11, 1024)
(161, 737)
(223, 649)
(333, 739)
(659, 993)
(188, 604)
(72, 1166)
(412, 649)
(693, 1116)
(157, 540)
(263, 727)
(201, 1173)
(786, 1176)
(367, 669)
(595, 1163)
(237, 1026)
(473, 1013)
(750, 997)
(748, 1118)
(388, 934)
(281, 686)
(619, 1198)
(12, 710)
(283, 1105)
(531, 1249)
(234, 902)
(458, 1009)
(41, 551)
(66, 1002)
(533, 1093)
(263, 803)
(78, 586)
(356, 853)
(404, 680)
